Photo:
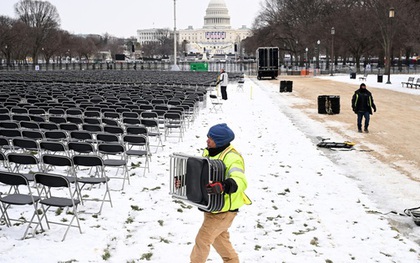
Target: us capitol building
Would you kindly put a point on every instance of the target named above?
(216, 36)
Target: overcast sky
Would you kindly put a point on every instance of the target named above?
(122, 18)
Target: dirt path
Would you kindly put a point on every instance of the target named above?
(393, 136)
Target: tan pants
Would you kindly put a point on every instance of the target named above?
(214, 231)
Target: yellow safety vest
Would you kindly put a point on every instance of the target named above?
(235, 169)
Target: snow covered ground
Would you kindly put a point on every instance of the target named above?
(309, 204)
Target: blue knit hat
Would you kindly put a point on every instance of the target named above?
(221, 134)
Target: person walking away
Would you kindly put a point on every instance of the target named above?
(362, 104)
(214, 230)
(223, 80)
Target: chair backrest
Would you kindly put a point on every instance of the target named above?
(56, 135)
(52, 146)
(93, 120)
(13, 179)
(81, 147)
(81, 135)
(57, 160)
(135, 139)
(131, 121)
(56, 111)
(57, 119)
(9, 125)
(136, 130)
(36, 135)
(48, 126)
(130, 114)
(149, 115)
(22, 158)
(20, 117)
(75, 120)
(29, 125)
(5, 117)
(25, 143)
(10, 133)
(51, 180)
(110, 148)
(107, 137)
(88, 160)
(92, 127)
(113, 129)
(69, 126)
(112, 115)
(111, 122)
(92, 114)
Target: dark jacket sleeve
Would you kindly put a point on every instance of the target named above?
(230, 186)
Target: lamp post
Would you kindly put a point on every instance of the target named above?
(332, 50)
(175, 66)
(317, 53)
(306, 55)
(388, 46)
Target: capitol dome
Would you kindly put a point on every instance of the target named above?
(217, 15)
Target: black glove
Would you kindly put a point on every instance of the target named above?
(215, 188)
(374, 109)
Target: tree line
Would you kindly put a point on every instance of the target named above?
(343, 29)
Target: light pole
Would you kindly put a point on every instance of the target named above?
(317, 53)
(388, 47)
(175, 66)
(306, 55)
(332, 50)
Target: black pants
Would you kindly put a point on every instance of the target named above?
(224, 93)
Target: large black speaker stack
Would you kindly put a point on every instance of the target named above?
(328, 104)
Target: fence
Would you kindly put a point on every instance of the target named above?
(246, 67)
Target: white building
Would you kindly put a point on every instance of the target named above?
(215, 37)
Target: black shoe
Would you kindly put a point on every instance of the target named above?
(366, 130)
(360, 130)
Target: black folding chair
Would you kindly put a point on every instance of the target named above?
(53, 147)
(57, 135)
(97, 178)
(56, 198)
(20, 162)
(17, 196)
(113, 154)
(138, 146)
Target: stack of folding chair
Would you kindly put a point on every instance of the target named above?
(189, 176)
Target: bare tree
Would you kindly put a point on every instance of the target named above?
(42, 18)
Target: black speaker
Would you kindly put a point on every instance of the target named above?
(282, 86)
(328, 104)
(289, 86)
(286, 86)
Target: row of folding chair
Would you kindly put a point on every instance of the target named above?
(45, 183)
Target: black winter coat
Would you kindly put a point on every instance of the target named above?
(362, 101)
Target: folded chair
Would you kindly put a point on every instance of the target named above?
(16, 196)
(97, 178)
(189, 176)
(51, 185)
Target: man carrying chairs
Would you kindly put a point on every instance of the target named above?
(215, 183)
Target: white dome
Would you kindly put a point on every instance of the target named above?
(217, 15)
